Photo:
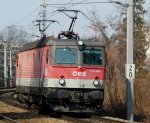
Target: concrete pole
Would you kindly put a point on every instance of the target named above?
(5, 65)
(10, 65)
(129, 82)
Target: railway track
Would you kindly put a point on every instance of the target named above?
(74, 120)
(4, 118)
(106, 119)
(6, 90)
(2, 88)
(94, 119)
(69, 118)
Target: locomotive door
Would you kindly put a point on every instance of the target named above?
(41, 67)
(18, 70)
(37, 66)
(44, 66)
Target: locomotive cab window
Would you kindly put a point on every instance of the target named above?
(66, 55)
(92, 56)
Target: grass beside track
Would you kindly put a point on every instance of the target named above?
(25, 116)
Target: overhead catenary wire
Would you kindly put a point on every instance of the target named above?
(68, 2)
(61, 7)
(84, 2)
(73, 4)
(30, 26)
(56, 12)
(25, 17)
(80, 3)
(22, 25)
(65, 6)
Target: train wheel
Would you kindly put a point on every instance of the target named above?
(43, 110)
(29, 105)
(53, 113)
(20, 98)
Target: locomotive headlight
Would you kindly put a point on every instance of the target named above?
(61, 81)
(80, 43)
(96, 82)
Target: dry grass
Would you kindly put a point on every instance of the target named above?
(42, 120)
(115, 92)
(142, 96)
(4, 108)
(114, 102)
(115, 98)
(24, 116)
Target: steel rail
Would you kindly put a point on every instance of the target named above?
(111, 119)
(8, 119)
(7, 89)
(75, 120)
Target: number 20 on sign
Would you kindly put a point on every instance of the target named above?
(130, 71)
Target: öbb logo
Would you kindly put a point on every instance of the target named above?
(75, 73)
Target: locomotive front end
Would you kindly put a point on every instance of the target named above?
(74, 78)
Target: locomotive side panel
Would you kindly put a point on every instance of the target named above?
(29, 71)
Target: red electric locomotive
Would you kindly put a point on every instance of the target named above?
(62, 74)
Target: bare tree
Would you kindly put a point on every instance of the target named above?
(99, 27)
(115, 46)
(115, 93)
(14, 38)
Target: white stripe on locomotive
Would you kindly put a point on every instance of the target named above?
(69, 83)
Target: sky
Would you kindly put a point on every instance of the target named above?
(22, 13)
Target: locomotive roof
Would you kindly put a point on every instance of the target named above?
(59, 42)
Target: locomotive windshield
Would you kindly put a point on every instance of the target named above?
(66, 55)
(92, 56)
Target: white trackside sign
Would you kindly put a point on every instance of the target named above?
(130, 71)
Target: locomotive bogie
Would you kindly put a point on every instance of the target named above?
(64, 99)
